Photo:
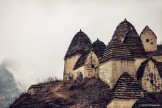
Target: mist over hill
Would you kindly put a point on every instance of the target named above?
(8, 87)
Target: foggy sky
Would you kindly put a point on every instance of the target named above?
(35, 34)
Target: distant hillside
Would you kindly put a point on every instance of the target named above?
(8, 88)
(64, 94)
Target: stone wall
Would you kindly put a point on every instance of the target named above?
(149, 41)
(151, 80)
(91, 65)
(69, 66)
(105, 72)
(121, 103)
(158, 58)
(111, 70)
(78, 71)
(138, 62)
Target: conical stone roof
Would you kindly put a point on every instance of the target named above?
(127, 87)
(80, 44)
(98, 48)
(134, 44)
(122, 29)
(125, 44)
(116, 50)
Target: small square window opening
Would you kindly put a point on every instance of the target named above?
(147, 40)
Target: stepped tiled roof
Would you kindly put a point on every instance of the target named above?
(141, 69)
(147, 29)
(127, 87)
(125, 42)
(80, 44)
(98, 48)
(116, 50)
(154, 53)
(134, 44)
(146, 102)
(122, 29)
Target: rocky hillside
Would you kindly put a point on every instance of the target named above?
(65, 94)
(8, 88)
(87, 93)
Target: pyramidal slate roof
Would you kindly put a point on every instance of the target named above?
(147, 29)
(127, 87)
(80, 44)
(98, 48)
(134, 44)
(122, 29)
(116, 50)
(146, 102)
(125, 42)
(143, 65)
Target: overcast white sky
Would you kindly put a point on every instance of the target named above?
(35, 34)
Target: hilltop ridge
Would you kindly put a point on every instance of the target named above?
(65, 94)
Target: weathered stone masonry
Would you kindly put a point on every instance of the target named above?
(126, 52)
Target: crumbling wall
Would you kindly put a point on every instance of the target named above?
(151, 80)
(78, 71)
(92, 64)
(69, 66)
